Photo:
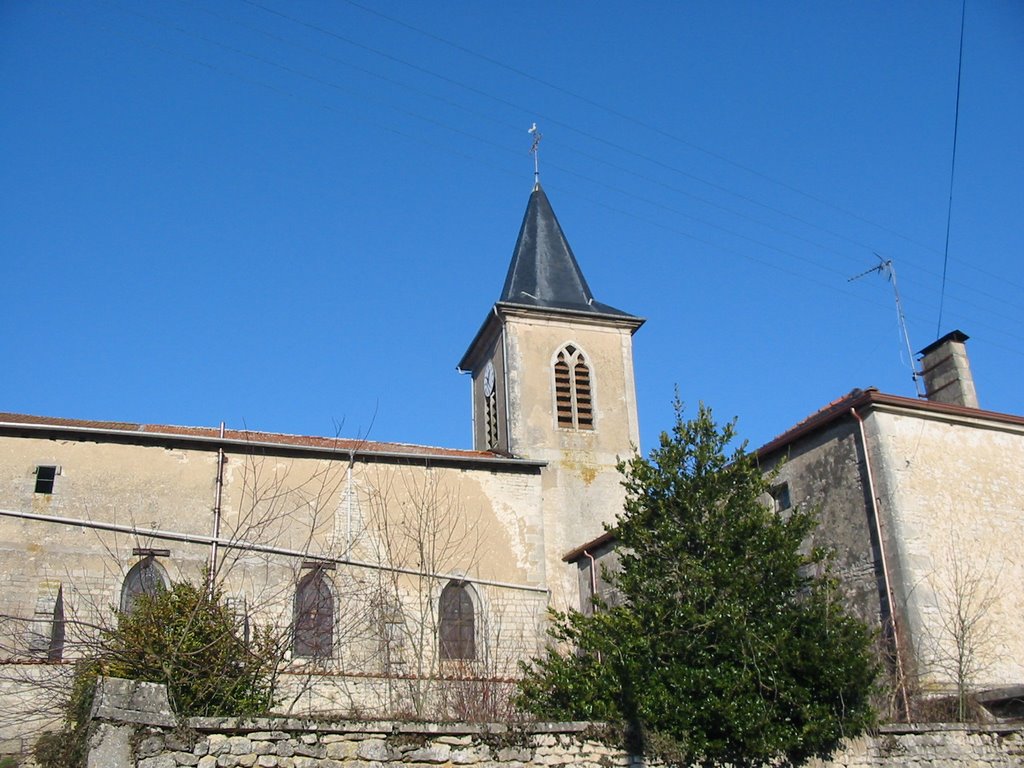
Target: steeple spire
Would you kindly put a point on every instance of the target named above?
(544, 272)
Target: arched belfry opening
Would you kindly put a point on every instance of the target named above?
(574, 400)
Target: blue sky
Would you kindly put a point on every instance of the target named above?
(294, 216)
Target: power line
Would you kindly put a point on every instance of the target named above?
(619, 148)
(627, 117)
(645, 200)
(952, 165)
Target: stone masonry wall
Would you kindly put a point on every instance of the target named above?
(135, 729)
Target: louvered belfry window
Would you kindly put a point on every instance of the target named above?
(458, 623)
(574, 403)
(314, 617)
(491, 419)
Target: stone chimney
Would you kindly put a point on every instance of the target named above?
(947, 372)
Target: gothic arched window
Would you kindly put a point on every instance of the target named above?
(458, 622)
(574, 403)
(146, 577)
(314, 616)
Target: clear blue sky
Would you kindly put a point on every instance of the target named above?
(295, 215)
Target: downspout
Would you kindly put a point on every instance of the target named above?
(211, 577)
(593, 588)
(348, 504)
(507, 397)
(900, 675)
(593, 577)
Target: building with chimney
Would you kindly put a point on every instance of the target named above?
(391, 569)
(922, 503)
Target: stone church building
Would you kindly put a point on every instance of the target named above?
(387, 566)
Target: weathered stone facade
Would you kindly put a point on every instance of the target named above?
(923, 505)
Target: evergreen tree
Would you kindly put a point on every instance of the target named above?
(729, 644)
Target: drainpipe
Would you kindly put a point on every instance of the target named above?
(348, 504)
(901, 677)
(593, 588)
(216, 513)
(593, 578)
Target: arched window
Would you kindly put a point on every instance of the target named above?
(458, 622)
(314, 616)
(574, 403)
(146, 577)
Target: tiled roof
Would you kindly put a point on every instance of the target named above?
(342, 445)
(858, 398)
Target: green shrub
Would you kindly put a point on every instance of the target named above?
(187, 639)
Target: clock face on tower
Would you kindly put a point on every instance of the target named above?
(488, 379)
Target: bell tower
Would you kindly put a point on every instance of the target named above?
(552, 373)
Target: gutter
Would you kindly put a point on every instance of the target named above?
(140, 435)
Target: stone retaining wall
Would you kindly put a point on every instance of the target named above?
(135, 729)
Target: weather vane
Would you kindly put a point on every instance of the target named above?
(534, 150)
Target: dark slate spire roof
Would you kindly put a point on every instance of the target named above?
(544, 272)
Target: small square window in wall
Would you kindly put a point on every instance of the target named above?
(780, 496)
(45, 477)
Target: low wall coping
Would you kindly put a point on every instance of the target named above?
(386, 727)
(132, 701)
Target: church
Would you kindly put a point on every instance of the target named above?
(387, 567)
(411, 580)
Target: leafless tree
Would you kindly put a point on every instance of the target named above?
(959, 644)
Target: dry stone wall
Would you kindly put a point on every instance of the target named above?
(135, 729)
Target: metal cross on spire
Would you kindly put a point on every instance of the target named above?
(535, 151)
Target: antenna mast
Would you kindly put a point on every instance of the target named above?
(886, 267)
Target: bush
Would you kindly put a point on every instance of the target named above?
(187, 639)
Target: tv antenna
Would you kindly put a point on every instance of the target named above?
(885, 267)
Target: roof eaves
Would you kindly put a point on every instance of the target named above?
(858, 398)
(575, 554)
(616, 315)
(282, 442)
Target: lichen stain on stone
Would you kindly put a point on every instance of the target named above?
(587, 472)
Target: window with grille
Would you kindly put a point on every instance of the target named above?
(574, 402)
(314, 617)
(458, 622)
